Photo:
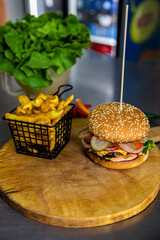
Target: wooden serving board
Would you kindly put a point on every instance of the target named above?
(72, 191)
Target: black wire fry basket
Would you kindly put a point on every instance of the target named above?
(40, 140)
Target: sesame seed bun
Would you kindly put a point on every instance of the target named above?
(117, 165)
(110, 123)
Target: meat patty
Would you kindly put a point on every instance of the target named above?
(121, 158)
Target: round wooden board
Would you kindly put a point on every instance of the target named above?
(72, 191)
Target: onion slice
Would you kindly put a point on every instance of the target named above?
(110, 149)
(138, 151)
(86, 145)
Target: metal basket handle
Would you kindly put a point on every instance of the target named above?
(68, 88)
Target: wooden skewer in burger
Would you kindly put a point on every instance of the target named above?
(116, 136)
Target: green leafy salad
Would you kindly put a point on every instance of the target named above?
(149, 145)
(32, 45)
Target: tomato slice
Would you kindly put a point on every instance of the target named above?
(88, 139)
(138, 145)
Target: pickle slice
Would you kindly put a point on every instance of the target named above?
(98, 144)
(85, 133)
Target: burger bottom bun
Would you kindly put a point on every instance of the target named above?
(119, 165)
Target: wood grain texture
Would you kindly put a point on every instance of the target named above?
(154, 134)
(72, 191)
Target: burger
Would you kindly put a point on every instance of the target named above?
(117, 138)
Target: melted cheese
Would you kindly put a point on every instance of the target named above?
(103, 153)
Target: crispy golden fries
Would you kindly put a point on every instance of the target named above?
(39, 100)
(54, 114)
(19, 110)
(60, 105)
(45, 106)
(25, 102)
(68, 100)
(44, 110)
(66, 109)
(24, 118)
(53, 99)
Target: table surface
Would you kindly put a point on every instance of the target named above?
(95, 79)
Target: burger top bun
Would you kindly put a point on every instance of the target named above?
(110, 123)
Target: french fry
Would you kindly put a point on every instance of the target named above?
(37, 102)
(50, 97)
(42, 119)
(20, 111)
(66, 109)
(19, 118)
(56, 120)
(45, 106)
(25, 102)
(52, 144)
(34, 150)
(39, 99)
(54, 114)
(28, 106)
(53, 99)
(68, 100)
(36, 111)
(52, 106)
(42, 96)
(60, 105)
(23, 99)
(52, 138)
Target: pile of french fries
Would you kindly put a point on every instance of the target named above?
(45, 110)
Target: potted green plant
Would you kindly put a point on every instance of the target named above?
(39, 51)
